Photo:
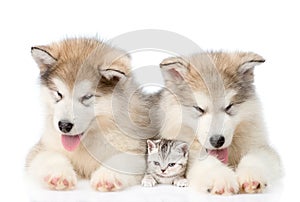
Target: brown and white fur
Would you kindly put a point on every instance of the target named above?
(212, 95)
(88, 83)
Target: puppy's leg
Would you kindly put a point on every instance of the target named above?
(257, 169)
(118, 172)
(212, 176)
(53, 170)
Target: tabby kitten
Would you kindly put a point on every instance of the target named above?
(166, 163)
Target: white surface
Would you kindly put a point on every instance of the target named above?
(269, 28)
(153, 194)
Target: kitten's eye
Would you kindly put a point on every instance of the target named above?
(171, 164)
(199, 109)
(87, 97)
(58, 96)
(156, 163)
(228, 108)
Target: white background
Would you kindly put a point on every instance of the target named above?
(270, 28)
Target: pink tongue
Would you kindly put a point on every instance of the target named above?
(221, 154)
(69, 142)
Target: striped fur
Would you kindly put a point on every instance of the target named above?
(166, 162)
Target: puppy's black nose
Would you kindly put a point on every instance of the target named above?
(163, 170)
(217, 141)
(65, 126)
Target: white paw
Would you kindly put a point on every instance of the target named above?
(213, 177)
(181, 182)
(64, 180)
(53, 170)
(148, 181)
(106, 180)
(223, 182)
(251, 181)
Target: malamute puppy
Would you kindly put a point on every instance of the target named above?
(211, 103)
(96, 122)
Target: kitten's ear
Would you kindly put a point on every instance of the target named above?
(151, 145)
(184, 147)
(43, 57)
(174, 68)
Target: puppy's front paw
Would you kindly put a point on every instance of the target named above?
(215, 179)
(251, 181)
(148, 181)
(252, 187)
(181, 182)
(224, 182)
(106, 180)
(64, 180)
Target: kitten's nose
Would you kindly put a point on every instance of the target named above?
(163, 170)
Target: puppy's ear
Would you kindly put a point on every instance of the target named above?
(174, 68)
(115, 67)
(247, 62)
(43, 57)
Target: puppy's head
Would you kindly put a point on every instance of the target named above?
(216, 92)
(74, 73)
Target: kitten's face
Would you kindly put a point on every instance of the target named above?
(167, 157)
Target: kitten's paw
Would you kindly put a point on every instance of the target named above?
(148, 181)
(61, 180)
(181, 182)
